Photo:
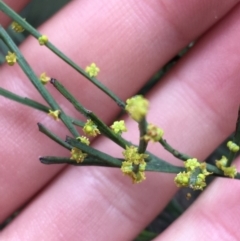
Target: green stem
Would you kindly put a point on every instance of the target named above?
(62, 90)
(142, 125)
(104, 129)
(158, 165)
(93, 152)
(13, 15)
(54, 137)
(173, 151)
(24, 100)
(88, 161)
(34, 104)
(219, 173)
(77, 122)
(99, 158)
(35, 81)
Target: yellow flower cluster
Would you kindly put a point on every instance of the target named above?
(232, 146)
(182, 179)
(227, 171)
(77, 154)
(153, 134)
(134, 164)
(44, 78)
(84, 140)
(185, 179)
(137, 107)
(43, 40)
(17, 27)
(118, 127)
(90, 128)
(11, 58)
(92, 70)
(54, 114)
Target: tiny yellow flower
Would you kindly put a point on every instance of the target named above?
(84, 140)
(200, 182)
(137, 107)
(119, 127)
(137, 175)
(229, 171)
(90, 128)
(44, 78)
(222, 162)
(232, 146)
(131, 154)
(127, 167)
(54, 114)
(43, 40)
(182, 179)
(11, 58)
(77, 155)
(17, 27)
(134, 164)
(153, 134)
(191, 179)
(191, 164)
(203, 167)
(92, 70)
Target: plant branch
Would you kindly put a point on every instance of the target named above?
(34, 104)
(53, 137)
(13, 15)
(88, 161)
(142, 125)
(93, 152)
(104, 129)
(35, 81)
(173, 151)
(24, 100)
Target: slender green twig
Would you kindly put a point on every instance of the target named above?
(35, 81)
(24, 100)
(93, 152)
(13, 15)
(88, 161)
(104, 129)
(142, 125)
(219, 173)
(236, 140)
(62, 90)
(95, 157)
(54, 137)
(34, 104)
(77, 122)
(173, 151)
(155, 164)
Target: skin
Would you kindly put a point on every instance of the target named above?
(196, 104)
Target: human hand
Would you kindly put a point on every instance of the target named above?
(196, 105)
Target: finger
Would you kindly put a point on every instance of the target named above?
(16, 5)
(106, 201)
(33, 176)
(214, 215)
(131, 60)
